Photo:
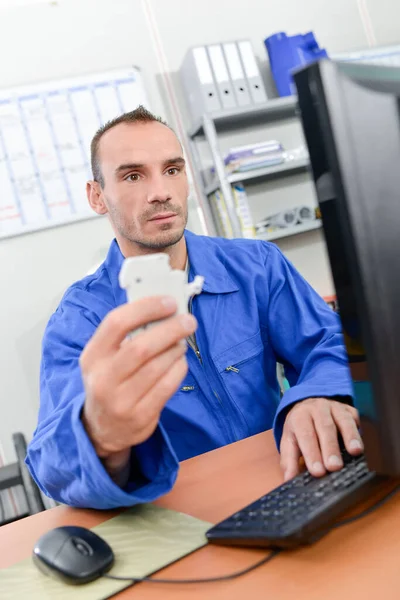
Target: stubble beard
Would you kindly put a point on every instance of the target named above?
(165, 238)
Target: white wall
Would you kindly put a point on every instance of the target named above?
(79, 36)
(384, 17)
(336, 23)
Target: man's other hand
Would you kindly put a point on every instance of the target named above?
(311, 430)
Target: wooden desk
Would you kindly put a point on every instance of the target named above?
(359, 561)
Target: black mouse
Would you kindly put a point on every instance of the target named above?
(74, 555)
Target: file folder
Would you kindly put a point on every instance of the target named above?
(236, 73)
(221, 76)
(256, 85)
(198, 82)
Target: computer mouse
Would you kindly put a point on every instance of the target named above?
(74, 555)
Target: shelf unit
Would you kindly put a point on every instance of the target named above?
(264, 173)
(289, 231)
(277, 108)
(209, 127)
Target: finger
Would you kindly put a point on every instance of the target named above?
(146, 414)
(327, 433)
(347, 425)
(154, 401)
(290, 456)
(354, 412)
(124, 319)
(306, 436)
(136, 352)
(139, 384)
(143, 348)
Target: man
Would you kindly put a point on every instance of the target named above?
(117, 414)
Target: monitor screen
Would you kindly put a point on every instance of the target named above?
(350, 116)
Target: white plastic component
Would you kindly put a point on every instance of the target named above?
(151, 275)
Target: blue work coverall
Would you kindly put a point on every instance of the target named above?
(255, 310)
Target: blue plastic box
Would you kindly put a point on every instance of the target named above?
(288, 52)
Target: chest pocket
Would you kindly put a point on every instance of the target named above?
(242, 374)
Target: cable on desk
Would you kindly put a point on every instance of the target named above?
(228, 577)
(266, 559)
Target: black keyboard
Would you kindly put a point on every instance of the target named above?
(301, 510)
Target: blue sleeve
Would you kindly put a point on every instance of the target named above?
(307, 339)
(61, 458)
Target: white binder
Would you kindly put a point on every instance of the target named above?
(198, 82)
(238, 79)
(221, 76)
(205, 77)
(256, 85)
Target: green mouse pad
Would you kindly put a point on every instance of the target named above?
(144, 539)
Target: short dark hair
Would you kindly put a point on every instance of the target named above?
(139, 115)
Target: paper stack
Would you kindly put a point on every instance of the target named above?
(254, 156)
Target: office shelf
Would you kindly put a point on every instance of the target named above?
(264, 173)
(275, 109)
(210, 126)
(289, 231)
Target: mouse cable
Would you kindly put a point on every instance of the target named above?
(234, 575)
(266, 559)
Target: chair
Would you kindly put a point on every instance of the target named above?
(18, 474)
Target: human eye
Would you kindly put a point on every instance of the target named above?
(132, 177)
(173, 170)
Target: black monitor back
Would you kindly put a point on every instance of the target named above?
(351, 120)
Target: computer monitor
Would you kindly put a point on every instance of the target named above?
(351, 120)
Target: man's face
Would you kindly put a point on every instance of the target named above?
(145, 184)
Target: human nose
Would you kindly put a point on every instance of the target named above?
(158, 190)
